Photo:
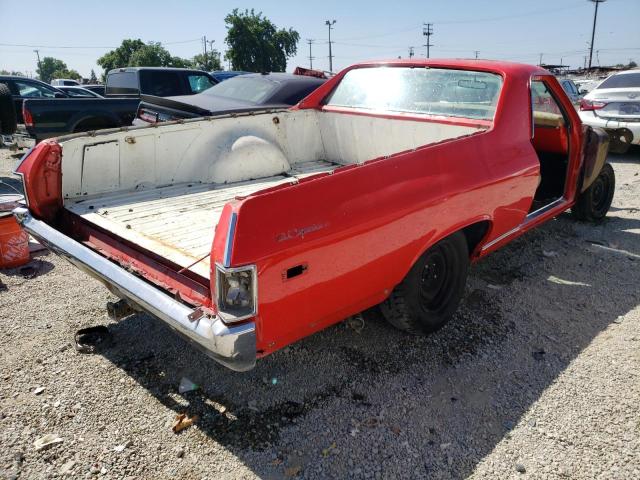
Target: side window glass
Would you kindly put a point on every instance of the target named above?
(542, 101)
(33, 90)
(199, 83)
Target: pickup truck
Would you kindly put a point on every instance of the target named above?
(53, 117)
(246, 232)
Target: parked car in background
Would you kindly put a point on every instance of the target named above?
(79, 92)
(250, 231)
(55, 117)
(157, 81)
(614, 105)
(241, 93)
(222, 75)
(585, 85)
(22, 88)
(571, 89)
(62, 82)
(99, 89)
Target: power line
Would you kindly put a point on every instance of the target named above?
(87, 47)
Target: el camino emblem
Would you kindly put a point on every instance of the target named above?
(300, 232)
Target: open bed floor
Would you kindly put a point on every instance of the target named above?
(177, 222)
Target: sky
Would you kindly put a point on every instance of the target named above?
(79, 32)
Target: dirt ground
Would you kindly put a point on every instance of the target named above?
(537, 376)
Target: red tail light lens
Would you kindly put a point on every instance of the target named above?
(147, 115)
(26, 115)
(589, 105)
(41, 172)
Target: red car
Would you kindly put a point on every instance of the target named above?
(247, 232)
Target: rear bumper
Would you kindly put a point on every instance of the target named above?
(589, 118)
(233, 347)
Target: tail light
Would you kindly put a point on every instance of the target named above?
(41, 172)
(147, 115)
(236, 292)
(26, 115)
(590, 105)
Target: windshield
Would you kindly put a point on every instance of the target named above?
(435, 91)
(252, 89)
(624, 80)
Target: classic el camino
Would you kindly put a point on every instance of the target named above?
(247, 232)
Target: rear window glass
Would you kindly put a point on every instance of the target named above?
(248, 89)
(122, 83)
(623, 80)
(199, 83)
(434, 91)
(161, 83)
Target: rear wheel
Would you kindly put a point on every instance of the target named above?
(594, 203)
(8, 119)
(429, 295)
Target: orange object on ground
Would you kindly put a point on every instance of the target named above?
(14, 241)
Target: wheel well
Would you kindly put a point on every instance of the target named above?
(474, 234)
(95, 123)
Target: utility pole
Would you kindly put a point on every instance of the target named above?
(411, 52)
(39, 64)
(477, 52)
(427, 31)
(330, 24)
(593, 31)
(311, 57)
(540, 62)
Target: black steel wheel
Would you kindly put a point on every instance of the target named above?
(594, 203)
(430, 293)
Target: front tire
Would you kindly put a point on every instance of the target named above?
(594, 203)
(429, 295)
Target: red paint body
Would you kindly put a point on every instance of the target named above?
(360, 229)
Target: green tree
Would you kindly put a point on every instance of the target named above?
(136, 53)
(12, 72)
(72, 74)
(207, 63)
(121, 56)
(255, 43)
(48, 66)
(92, 78)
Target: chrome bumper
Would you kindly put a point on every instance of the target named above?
(234, 347)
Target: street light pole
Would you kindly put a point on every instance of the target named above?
(330, 24)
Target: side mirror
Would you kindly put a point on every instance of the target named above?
(59, 95)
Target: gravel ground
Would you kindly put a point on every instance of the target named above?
(536, 377)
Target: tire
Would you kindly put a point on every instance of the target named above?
(8, 118)
(594, 203)
(429, 295)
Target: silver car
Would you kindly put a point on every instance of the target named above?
(615, 106)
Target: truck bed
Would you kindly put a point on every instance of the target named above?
(177, 222)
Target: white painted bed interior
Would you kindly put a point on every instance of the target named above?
(177, 222)
(164, 187)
